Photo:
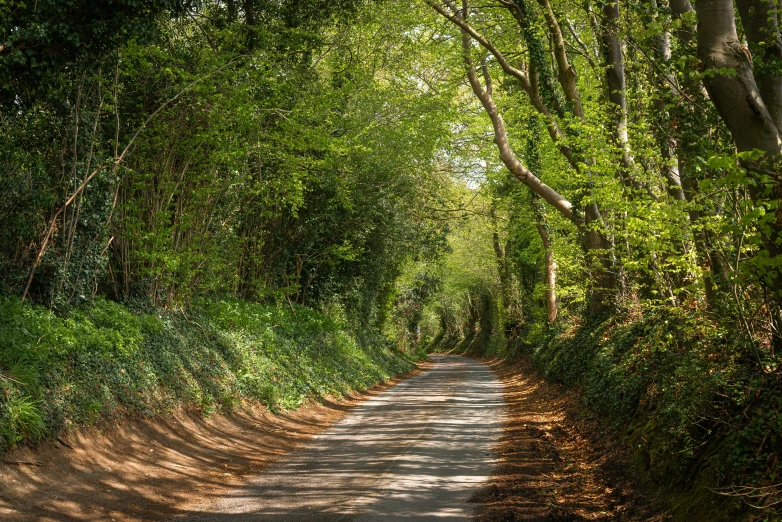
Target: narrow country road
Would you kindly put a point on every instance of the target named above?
(415, 452)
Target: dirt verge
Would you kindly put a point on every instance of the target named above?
(153, 469)
(558, 462)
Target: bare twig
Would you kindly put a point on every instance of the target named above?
(48, 235)
(7, 378)
(64, 443)
(181, 309)
(24, 463)
(758, 497)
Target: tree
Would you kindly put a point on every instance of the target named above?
(747, 96)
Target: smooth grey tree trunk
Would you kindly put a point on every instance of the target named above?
(748, 103)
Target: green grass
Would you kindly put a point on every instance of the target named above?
(107, 361)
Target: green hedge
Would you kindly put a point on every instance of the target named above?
(107, 361)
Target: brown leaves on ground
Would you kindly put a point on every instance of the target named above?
(556, 465)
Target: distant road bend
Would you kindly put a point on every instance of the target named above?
(418, 451)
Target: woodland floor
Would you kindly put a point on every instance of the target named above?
(558, 462)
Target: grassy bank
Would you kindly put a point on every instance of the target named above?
(107, 361)
(683, 393)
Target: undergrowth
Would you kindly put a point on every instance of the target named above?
(107, 361)
(702, 423)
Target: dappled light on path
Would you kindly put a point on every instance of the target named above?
(418, 451)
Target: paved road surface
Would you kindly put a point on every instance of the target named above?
(418, 451)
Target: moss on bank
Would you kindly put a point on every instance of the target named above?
(108, 361)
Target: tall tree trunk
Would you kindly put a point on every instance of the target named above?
(540, 71)
(511, 304)
(249, 12)
(249, 20)
(735, 95)
(616, 86)
(760, 19)
(685, 34)
(602, 273)
(742, 106)
(567, 73)
(550, 279)
(597, 245)
(705, 253)
(661, 45)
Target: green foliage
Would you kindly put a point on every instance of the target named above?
(21, 420)
(678, 387)
(41, 38)
(283, 154)
(107, 361)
